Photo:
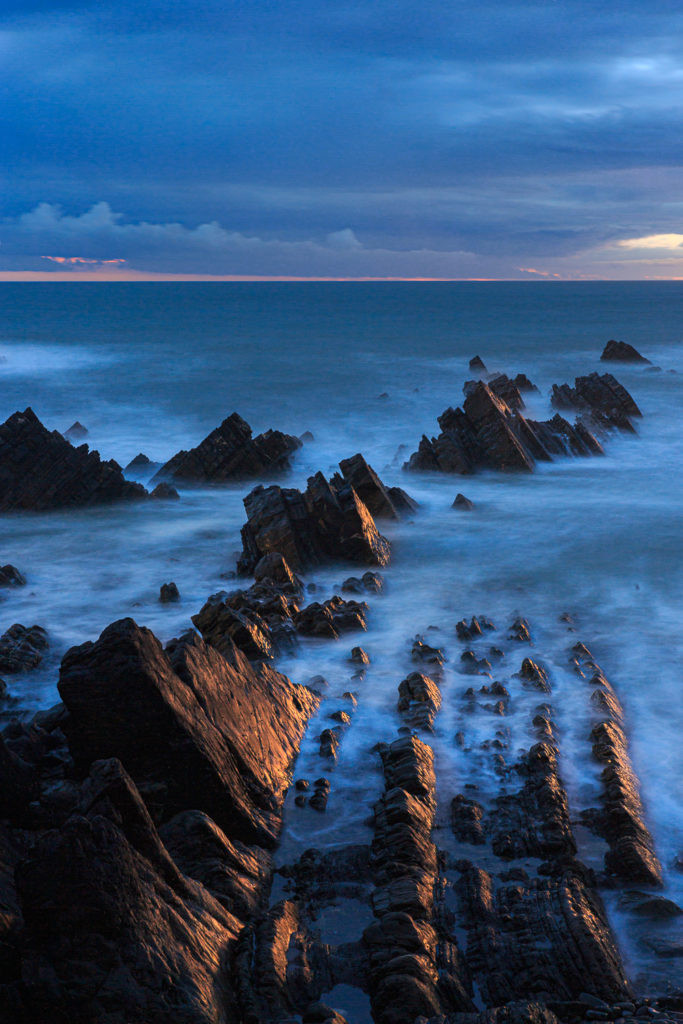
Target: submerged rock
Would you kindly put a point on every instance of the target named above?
(11, 577)
(621, 352)
(22, 648)
(169, 593)
(40, 470)
(326, 522)
(230, 453)
(463, 503)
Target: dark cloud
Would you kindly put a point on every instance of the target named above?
(508, 130)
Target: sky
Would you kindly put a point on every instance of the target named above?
(345, 139)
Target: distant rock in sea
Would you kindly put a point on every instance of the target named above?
(230, 453)
(621, 352)
(40, 470)
(76, 432)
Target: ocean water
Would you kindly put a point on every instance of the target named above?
(154, 368)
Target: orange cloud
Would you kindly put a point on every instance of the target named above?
(81, 259)
(541, 273)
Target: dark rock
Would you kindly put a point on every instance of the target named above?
(274, 567)
(329, 743)
(113, 930)
(360, 656)
(223, 626)
(169, 593)
(22, 648)
(421, 651)
(39, 469)
(419, 699)
(621, 352)
(19, 784)
(369, 583)
(140, 462)
(377, 498)
(519, 630)
(602, 397)
(207, 732)
(332, 618)
(466, 820)
(522, 383)
(230, 453)
(463, 503)
(321, 794)
(534, 675)
(11, 577)
(306, 437)
(76, 432)
(477, 363)
(164, 492)
(323, 523)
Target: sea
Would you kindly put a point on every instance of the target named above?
(368, 367)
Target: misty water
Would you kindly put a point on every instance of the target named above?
(154, 368)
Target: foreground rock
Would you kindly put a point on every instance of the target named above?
(488, 434)
(203, 730)
(326, 522)
(22, 648)
(621, 352)
(40, 469)
(231, 453)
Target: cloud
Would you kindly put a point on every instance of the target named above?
(78, 260)
(669, 241)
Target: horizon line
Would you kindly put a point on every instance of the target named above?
(132, 276)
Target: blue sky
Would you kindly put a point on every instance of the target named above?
(342, 139)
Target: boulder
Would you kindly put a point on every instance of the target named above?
(621, 352)
(22, 648)
(327, 522)
(40, 469)
(169, 593)
(463, 503)
(198, 729)
(11, 577)
(230, 453)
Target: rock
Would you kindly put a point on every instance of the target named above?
(113, 931)
(274, 567)
(522, 383)
(534, 675)
(11, 577)
(22, 648)
(359, 656)
(477, 363)
(381, 502)
(140, 462)
(606, 402)
(230, 453)
(236, 875)
(419, 699)
(329, 743)
(207, 732)
(621, 352)
(325, 522)
(655, 908)
(488, 434)
(463, 503)
(164, 492)
(41, 470)
(330, 619)
(423, 652)
(306, 437)
(466, 820)
(369, 583)
(19, 785)
(76, 432)
(169, 593)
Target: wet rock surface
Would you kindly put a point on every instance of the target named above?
(621, 352)
(606, 402)
(231, 453)
(22, 648)
(40, 469)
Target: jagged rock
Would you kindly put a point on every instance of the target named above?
(522, 383)
(40, 469)
(621, 352)
(201, 730)
(113, 931)
(164, 492)
(331, 618)
(519, 630)
(169, 593)
(323, 523)
(22, 648)
(230, 453)
(76, 432)
(223, 625)
(11, 577)
(631, 855)
(140, 462)
(466, 820)
(471, 631)
(329, 743)
(421, 651)
(380, 501)
(477, 363)
(419, 699)
(235, 874)
(463, 503)
(486, 433)
(534, 675)
(602, 397)
(274, 567)
(359, 656)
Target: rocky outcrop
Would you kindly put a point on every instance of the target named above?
(419, 700)
(76, 432)
(22, 648)
(112, 930)
(231, 453)
(380, 501)
(324, 523)
(196, 729)
(488, 434)
(40, 469)
(601, 398)
(11, 577)
(621, 352)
